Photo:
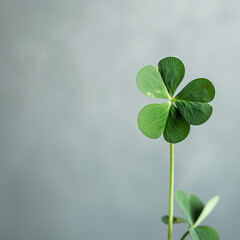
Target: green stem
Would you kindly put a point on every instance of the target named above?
(184, 235)
(171, 191)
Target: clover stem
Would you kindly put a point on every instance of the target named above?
(184, 235)
(171, 191)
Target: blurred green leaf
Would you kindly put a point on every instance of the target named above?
(211, 204)
(165, 219)
(198, 90)
(196, 207)
(172, 71)
(183, 202)
(191, 206)
(150, 82)
(204, 233)
(152, 119)
(195, 113)
(177, 128)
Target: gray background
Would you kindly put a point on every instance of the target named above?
(74, 164)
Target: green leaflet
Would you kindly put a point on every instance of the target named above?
(152, 119)
(183, 202)
(165, 219)
(177, 128)
(150, 82)
(211, 204)
(195, 113)
(198, 90)
(196, 207)
(172, 71)
(204, 233)
(191, 206)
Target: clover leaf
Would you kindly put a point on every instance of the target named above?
(193, 208)
(204, 233)
(196, 212)
(173, 118)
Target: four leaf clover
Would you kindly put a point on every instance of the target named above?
(173, 118)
